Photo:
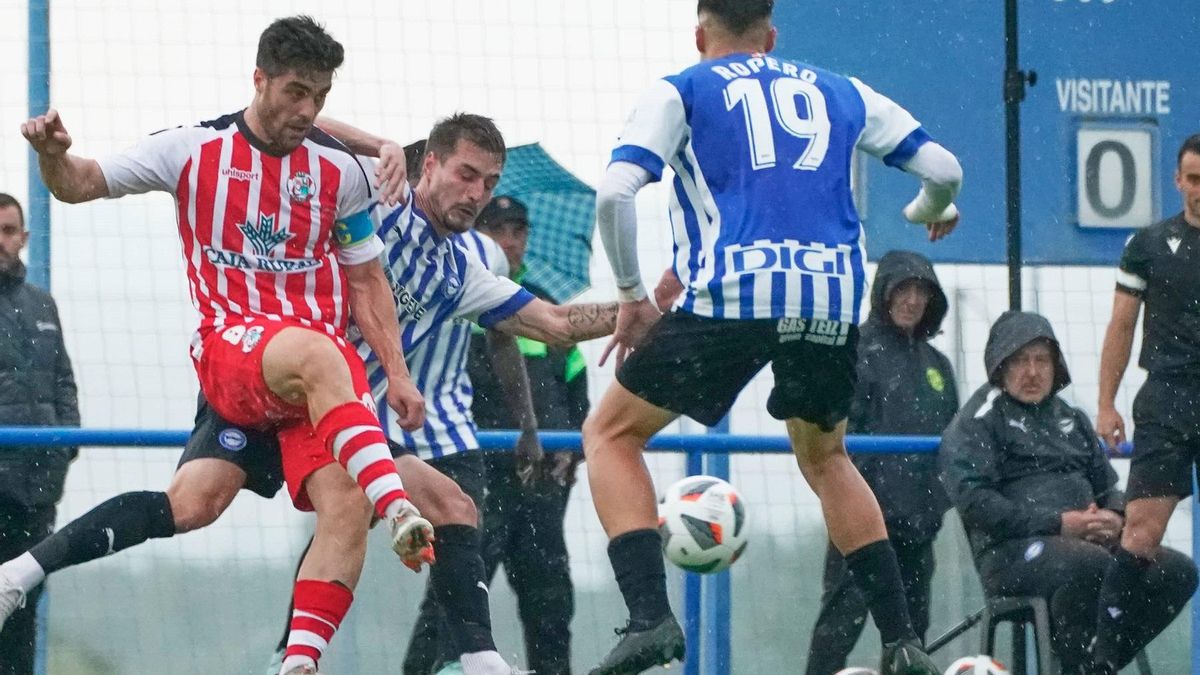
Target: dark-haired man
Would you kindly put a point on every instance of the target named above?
(37, 387)
(280, 246)
(767, 279)
(1160, 267)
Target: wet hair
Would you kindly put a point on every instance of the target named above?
(1192, 145)
(461, 126)
(737, 16)
(7, 200)
(298, 44)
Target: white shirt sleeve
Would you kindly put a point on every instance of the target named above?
(616, 218)
(890, 132)
(155, 163)
(655, 131)
(488, 298)
(357, 218)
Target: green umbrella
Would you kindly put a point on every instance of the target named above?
(562, 216)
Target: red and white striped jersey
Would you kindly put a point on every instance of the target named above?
(262, 235)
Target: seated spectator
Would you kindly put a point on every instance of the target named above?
(1038, 497)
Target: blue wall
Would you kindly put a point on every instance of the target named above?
(944, 62)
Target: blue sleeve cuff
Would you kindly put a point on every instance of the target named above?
(908, 147)
(511, 306)
(636, 154)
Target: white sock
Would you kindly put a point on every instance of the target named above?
(484, 663)
(24, 571)
(296, 662)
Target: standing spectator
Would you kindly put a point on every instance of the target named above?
(1160, 267)
(37, 388)
(1038, 497)
(524, 509)
(905, 386)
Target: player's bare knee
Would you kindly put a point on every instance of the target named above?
(603, 433)
(316, 359)
(194, 510)
(450, 506)
(201, 491)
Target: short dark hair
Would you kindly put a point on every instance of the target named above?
(1192, 145)
(298, 44)
(7, 200)
(462, 126)
(737, 15)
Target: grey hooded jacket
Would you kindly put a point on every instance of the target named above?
(1012, 468)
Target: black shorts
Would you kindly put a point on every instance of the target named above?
(697, 366)
(1166, 438)
(254, 451)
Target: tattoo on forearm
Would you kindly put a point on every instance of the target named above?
(592, 320)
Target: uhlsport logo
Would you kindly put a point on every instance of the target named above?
(232, 439)
(301, 187)
(788, 255)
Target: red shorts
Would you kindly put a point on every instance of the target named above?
(231, 377)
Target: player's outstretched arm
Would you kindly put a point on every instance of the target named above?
(561, 325)
(69, 178)
(374, 312)
(941, 178)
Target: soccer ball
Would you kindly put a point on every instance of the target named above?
(703, 524)
(977, 665)
(857, 670)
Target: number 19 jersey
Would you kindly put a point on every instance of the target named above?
(761, 208)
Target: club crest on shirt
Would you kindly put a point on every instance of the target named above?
(935, 379)
(301, 187)
(452, 286)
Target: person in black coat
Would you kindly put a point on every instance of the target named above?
(905, 387)
(1038, 497)
(37, 388)
(523, 511)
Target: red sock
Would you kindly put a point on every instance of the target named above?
(320, 607)
(353, 435)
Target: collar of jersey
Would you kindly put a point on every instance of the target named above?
(254, 141)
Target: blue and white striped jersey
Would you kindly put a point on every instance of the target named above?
(761, 211)
(441, 285)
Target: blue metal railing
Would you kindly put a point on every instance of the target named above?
(707, 600)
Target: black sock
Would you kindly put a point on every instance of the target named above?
(877, 574)
(1118, 594)
(123, 521)
(458, 585)
(1138, 599)
(637, 560)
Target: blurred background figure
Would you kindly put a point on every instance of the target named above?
(523, 511)
(37, 388)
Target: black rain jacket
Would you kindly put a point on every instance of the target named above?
(37, 388)
(1012, 468)
(905, 387)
